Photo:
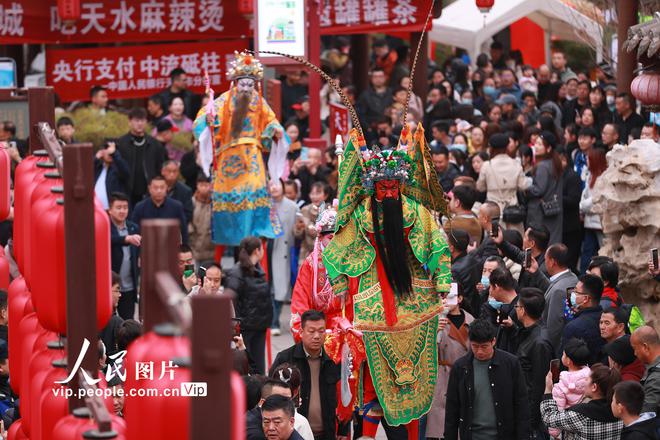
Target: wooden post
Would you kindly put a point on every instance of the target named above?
(211, 363)
(80, 257)
(360, 59)
(626, 62)
(160, 252)
(274, 98)
(41, 103)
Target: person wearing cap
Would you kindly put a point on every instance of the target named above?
(509, 105)
(301, 116)
(501, 177)
(546, 191)
(621, 356)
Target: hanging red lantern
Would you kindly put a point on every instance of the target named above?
(5, 184)
(246, 7)
(17, 299)
(4, 271)
(23, 184)
(28, 332)
(646, 88)
(80, 425)
(161, 346)
(68, 10)
(485, 5)
(15, 431)
(46, 351)
(49, 289)
(49, 400)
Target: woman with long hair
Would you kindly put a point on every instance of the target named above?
(593, 229)
(474, 164)
(544, 197)
(253, 303)
(591, 420)
(477, 139)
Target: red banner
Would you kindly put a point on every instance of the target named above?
(339, 122)
(367, 16)
(37, 21)
(138, 71)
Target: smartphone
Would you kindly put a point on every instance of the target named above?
(236, 326)
(495, 229)
(304, 153)
(654, 257)
(501, 316)
(188, 270)
(201, 273)
(554, 368)
(528, 258)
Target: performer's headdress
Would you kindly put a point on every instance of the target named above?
(327, 218)
(245, 65)
(385, 165)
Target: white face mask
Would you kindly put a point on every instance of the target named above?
(610, 100)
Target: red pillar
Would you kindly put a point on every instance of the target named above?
(314, 52)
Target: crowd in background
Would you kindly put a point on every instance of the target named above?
(518, 151)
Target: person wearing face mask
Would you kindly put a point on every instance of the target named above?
(500, 309)
(463, 265)
(585, 301)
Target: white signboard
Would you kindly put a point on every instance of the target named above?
(280, 27)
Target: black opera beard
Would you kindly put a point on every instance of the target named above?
(393, 252)
(238, 116)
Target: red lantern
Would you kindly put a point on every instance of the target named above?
(17, 299)
(485, 5)
(80, 425)
(160, 346)
(43, 195)
(246, 7)
(46, 351)
(49, 399)
(23, 184)
(646, 88)
(49, 289)
(28, 332)
(5, 184)
(4, 272)
(15, 431)
(68, 10)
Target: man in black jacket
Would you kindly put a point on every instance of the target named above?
(125, 243)
(534, 351)
(318, 388)
(143, 154)
(486, 394)
(176, 189)
(500, 309)
(159, 205)
(463, 267)
(253, 422)
(179, 89)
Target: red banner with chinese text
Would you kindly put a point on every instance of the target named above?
(37, 21)
(338, 122)
(369, 16)
(138, 71)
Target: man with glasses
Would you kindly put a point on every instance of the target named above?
(188, 276)
(318, 387)
(278, 416)
(486, 394)
(585, 301)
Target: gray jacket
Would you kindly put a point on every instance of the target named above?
(553, 314)
(545, 186)
(651, 383)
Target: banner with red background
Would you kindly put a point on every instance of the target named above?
(37, 21)
(338, 122)
(138, 71)
(367, 16)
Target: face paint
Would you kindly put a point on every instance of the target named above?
(387, 189)
(245, 85)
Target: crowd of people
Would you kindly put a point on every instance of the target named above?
(518, 151)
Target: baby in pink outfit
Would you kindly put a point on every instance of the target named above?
(572, 384)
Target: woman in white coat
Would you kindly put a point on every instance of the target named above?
(593, 229)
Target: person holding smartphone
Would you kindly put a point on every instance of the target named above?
(501, 309)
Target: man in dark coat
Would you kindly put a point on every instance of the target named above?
(125, 243)
(534, 350)
(585, 300)
(159, 205)
(143, 154)
(318, 387)
(464, 268)
(486, 394)
(179, 89)
(177, 189)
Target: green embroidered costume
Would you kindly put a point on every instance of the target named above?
(401, 355)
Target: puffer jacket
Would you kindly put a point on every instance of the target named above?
(591, 219)
(253, 303)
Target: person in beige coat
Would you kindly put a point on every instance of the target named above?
(199, 228)
(452, 345)
(501, 177)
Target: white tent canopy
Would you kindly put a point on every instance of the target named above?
(462, 24)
